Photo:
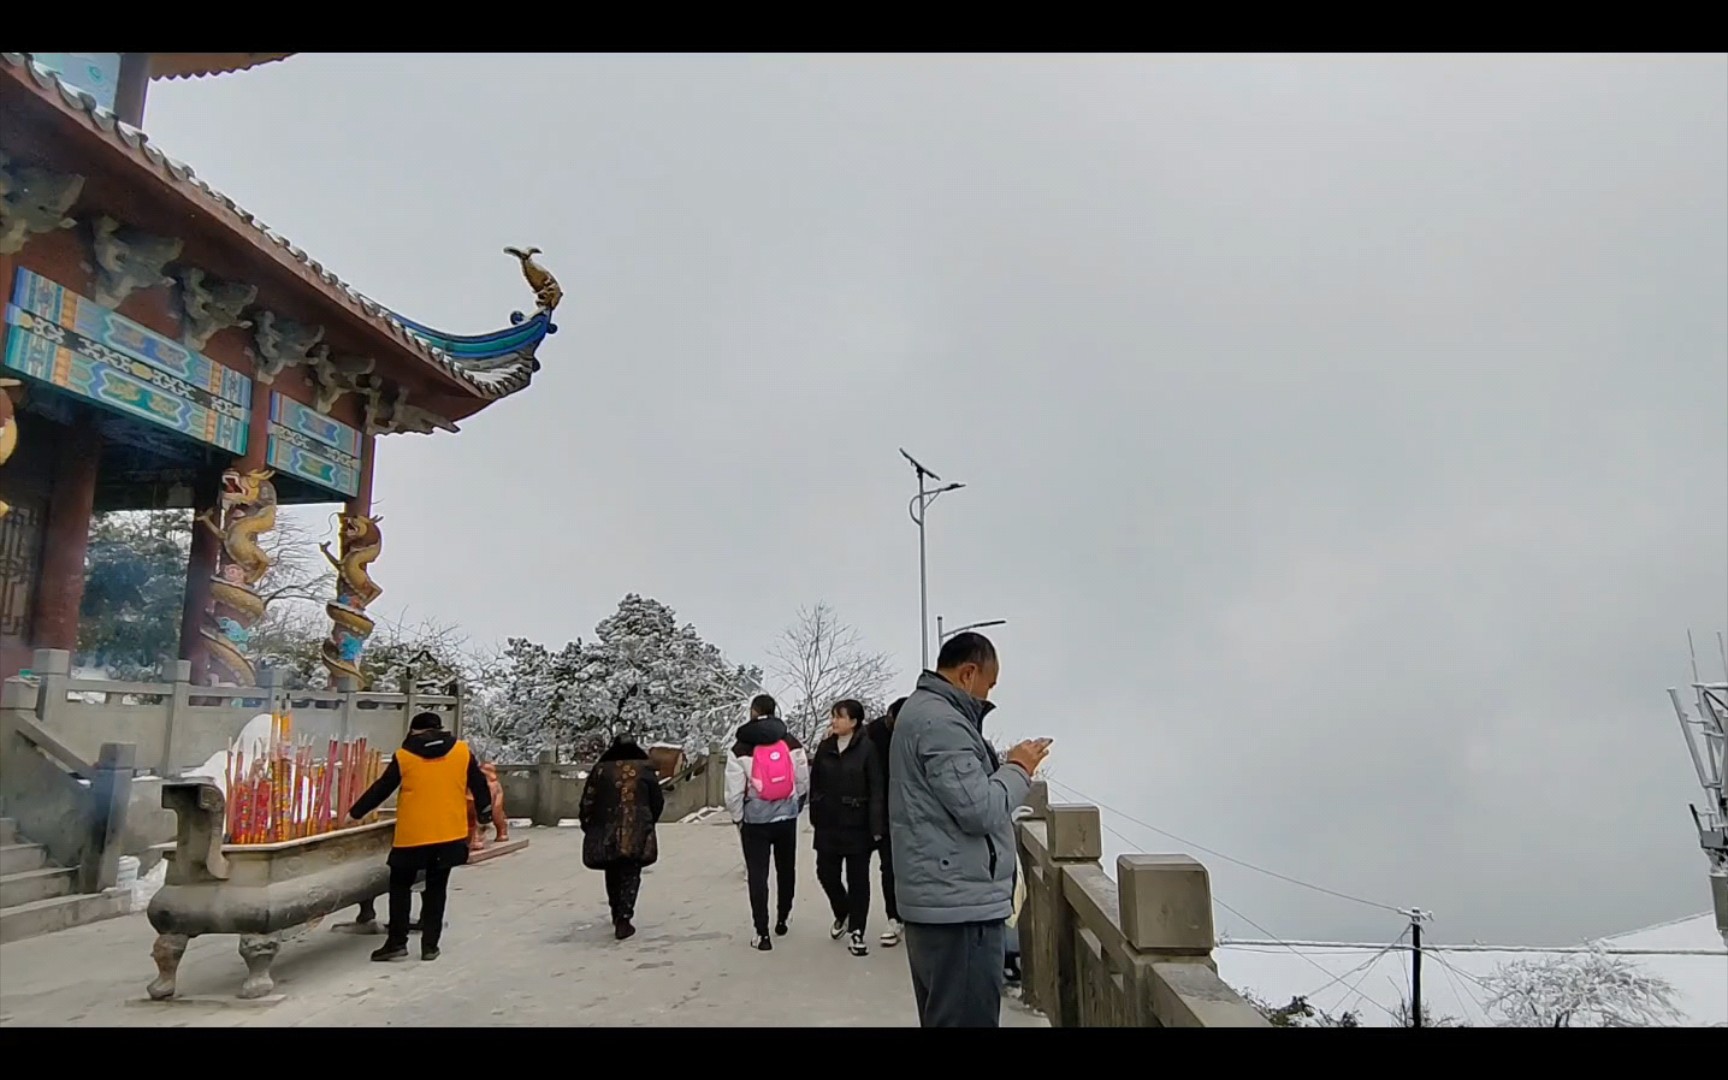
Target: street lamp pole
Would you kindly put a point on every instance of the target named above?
(916, 510)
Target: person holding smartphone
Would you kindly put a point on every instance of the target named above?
(951, 802)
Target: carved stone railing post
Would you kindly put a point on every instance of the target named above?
(19, 695)
(1032, 910)
(53, 668)
(546, 790)
(714, 776)
(346, 686)
(274, 682)
(1076, 838)
(179, 706)
(110, 792)
(1165, 906)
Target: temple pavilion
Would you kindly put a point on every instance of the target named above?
(163, 348)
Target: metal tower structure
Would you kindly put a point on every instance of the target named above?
(1707, 738)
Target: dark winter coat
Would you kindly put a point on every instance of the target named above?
(620, 804)
(848, 798)
(881, 732)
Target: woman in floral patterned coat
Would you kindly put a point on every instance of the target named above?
(620, 805)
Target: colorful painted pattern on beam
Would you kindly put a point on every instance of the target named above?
(309, 445)
(291, 414)
(69, 341)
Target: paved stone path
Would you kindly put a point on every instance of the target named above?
(529, 943)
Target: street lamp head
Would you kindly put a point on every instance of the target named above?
(950, 487)
(944, 635)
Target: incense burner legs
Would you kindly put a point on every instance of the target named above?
(167, 951)
(259, 951)
(264, 893)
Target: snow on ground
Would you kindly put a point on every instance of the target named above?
(1372, 982)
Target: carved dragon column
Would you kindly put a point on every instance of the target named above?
(247, 509)
(361, 544)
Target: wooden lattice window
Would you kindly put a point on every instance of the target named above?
(20, 565)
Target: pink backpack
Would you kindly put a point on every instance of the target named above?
(771, 777)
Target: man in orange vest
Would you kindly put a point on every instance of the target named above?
(436, 772)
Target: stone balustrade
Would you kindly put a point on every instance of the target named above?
(179, 725)
(82, 760)
(1133, 952)
(548, 792)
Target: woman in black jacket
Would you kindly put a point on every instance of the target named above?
(620, 804)
(849, 812)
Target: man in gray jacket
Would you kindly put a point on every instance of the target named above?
(950, 807)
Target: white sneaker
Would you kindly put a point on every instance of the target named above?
(891, 936)
(857, 947)
(837, 929)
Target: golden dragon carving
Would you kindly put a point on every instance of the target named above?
(547, 292)
(362, 542)
(8, 431)
(247, 509)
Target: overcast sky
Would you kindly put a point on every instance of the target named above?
(1346, 439)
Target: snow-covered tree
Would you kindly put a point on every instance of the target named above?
(527, 699)
(642, 674)
(135, 589)
(1593, 989)
(646, 675)
(819, 660)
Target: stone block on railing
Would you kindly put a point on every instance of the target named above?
(51, 662)
(1166, 904)
(1076, 833)
(110, 793)
(1037, 804)
(545, 810)
(16, 693)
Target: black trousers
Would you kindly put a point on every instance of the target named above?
(622, 885)
(779, 840)
(849, 900)
(889, 907)
(431, 904)
(957, 973)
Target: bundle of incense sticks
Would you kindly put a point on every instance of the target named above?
(278, 789)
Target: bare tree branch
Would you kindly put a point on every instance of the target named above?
(819, 660)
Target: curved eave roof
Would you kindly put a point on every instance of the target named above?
(485, 380)
(198, 65)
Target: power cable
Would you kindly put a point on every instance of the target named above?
(1366, 963)
(1227, 858)
(1451, 969)
(1216, 900)
(1457, 987)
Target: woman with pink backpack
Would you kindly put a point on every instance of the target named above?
(767, 780)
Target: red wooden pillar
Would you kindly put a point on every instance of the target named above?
(60, 591)
(200, 568)
(201, 563)
(361, 504)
